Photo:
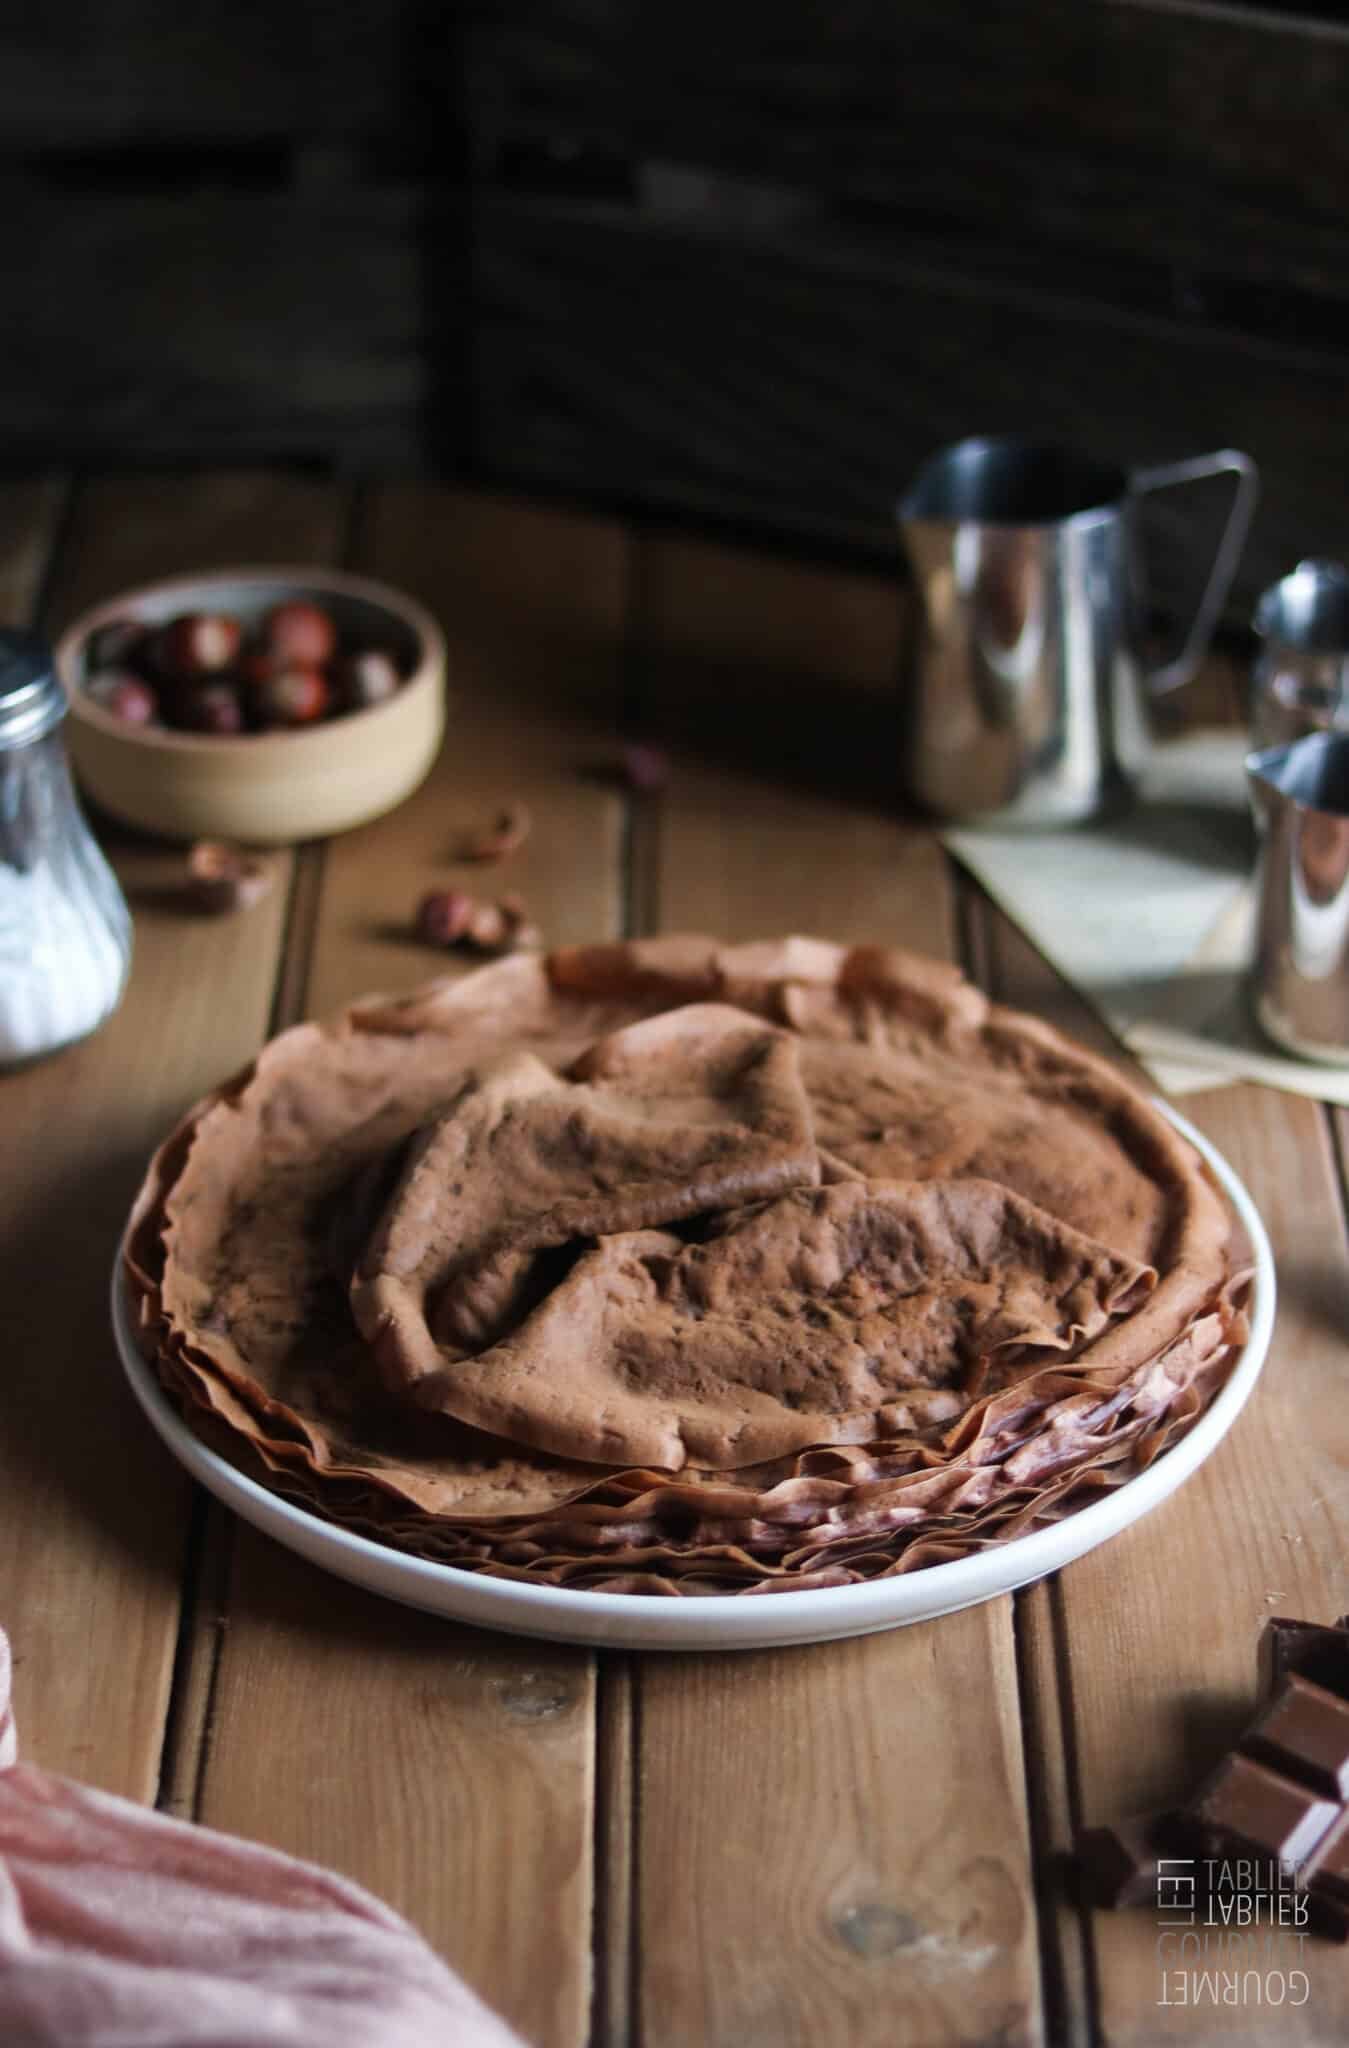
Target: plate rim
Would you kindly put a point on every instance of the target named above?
(723, 1621)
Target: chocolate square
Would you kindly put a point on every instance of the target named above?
(1304, 1733)
(1308, 1648)
(1118, 1864)
(1326, 1870)
(1247, 1807)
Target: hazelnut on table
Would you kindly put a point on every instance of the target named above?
(221, 877)
(451, 917)
(506, 834)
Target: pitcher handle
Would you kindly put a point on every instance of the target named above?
(1224, 461)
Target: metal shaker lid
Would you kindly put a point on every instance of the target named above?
(31, 699)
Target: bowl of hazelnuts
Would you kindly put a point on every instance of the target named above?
(264, 705)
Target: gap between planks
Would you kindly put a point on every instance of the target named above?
(209, 1555)
(1042, 1678)
(209, 1559)
(93, 1579)
(615, 2000)
(790, 1900)
(615, 1993)
(452, 1772)
(1196, 1679)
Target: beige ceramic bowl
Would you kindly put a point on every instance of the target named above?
(264, 788)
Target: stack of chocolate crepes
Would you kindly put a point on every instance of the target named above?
(676, 1268)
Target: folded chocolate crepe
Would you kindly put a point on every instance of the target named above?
(670, 1267)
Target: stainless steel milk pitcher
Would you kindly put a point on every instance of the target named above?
(1025, 702)
(1300, 972)
(1300, 682)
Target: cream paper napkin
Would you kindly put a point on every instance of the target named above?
(1149, 916)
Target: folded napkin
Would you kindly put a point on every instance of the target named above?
(121, 1929)
(1149, 916)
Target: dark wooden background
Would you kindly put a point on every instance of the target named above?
(741, 265)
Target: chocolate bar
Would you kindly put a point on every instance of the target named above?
(1326, 1871)
(1246, 1810)
(1304, 1733)
(1119, 1863)
(1307, 1649)
(1280, 1800)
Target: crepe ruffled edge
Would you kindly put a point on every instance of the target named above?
(1013, 1461)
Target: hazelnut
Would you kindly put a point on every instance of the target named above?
(520, 932)
(196, 644)
(444, 915)
(645, 768)
(451, 917)
(299, 632)
(209, 707)
(290, 693)
(114, 644)
(254, 669)
(127, 696)
(370, 677)
(222, 877)
(506, 834)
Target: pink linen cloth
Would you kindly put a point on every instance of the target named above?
(120, 1928)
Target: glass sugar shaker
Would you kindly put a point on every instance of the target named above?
(65, 931)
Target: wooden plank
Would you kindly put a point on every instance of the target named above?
(1008, 967)
(532, 604)
(741, 859)
(154, 74)
(30, 509)
(795, 381)
(233, 323)
(1098, 124)
(1199, 135)
(831, 1843)
(96, 1513)
(785, 668)
(1151, 1640)
(451, 1771)
(775, 628)
(129, 529)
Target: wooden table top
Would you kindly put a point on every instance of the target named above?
(851, 1844)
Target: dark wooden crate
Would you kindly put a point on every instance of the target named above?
(758, 262)
(160, 325)
(800, 380)
(126, 75)
(1203, 136)
(744, 265)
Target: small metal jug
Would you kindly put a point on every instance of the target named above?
(1300, 682)
(1025, 703)
(1300, 972)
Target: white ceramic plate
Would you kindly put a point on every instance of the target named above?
(721, 1622)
